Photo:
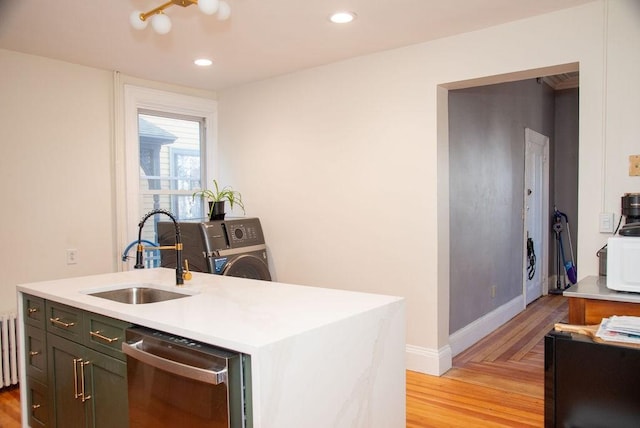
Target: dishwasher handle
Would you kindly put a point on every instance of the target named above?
(184, 370)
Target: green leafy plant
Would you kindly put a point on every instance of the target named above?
(218, 194)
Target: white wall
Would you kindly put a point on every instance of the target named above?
(55, 171)
(621, 136)
(341, 162)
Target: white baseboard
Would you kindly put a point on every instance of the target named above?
(437, 362)
(429, 361)
(472, 333)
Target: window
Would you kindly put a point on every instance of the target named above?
(168, 154)
(170, 166)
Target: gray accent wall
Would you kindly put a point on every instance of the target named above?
(565, 168)
(486, 167)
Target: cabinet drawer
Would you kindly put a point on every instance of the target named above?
(105, 334)
(64, 321)
(37, 404)
(33, 311)
(36, 353)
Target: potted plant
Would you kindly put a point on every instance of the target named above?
(217, 197)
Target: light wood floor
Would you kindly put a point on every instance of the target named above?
(498, 382)
(10, 408)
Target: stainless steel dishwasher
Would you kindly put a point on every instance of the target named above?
(174, 381)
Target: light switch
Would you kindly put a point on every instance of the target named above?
(606, 222)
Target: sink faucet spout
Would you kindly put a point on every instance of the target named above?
(180, 273)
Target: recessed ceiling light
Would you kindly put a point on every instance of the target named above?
(203, 62)
(342, 17)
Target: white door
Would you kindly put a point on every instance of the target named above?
(536, 213)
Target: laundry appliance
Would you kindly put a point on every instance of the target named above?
(233, 247)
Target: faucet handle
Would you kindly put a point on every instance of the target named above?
(186, 275)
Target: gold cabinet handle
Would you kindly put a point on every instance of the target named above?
(83, 395)
(75, 377)
(35, 406)
(34, 353)
(79, 392)
(98, 335)
(32, 310)
(61, 323)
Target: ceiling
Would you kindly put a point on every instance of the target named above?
(563, 81)
(262, 39)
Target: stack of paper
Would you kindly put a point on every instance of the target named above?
(620, 329)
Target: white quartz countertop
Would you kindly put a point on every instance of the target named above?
(595, 287)
(240, 314)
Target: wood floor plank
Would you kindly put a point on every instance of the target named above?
(10, 407)
(530, 387)
(528, 325)
(449, 401)
(498, 382)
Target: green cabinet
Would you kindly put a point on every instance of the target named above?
(64, 382)
(76, 371)
(38, 405)
(36, 350)
(33, 308)
(88, 388)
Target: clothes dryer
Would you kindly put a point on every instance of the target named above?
(233, 247)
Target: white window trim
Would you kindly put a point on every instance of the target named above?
(127, 155)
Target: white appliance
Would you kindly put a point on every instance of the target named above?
(623, 263)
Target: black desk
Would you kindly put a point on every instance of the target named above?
(589, 384)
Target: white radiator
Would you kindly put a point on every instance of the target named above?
(9, 349)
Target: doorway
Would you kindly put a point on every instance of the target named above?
(536, 207)
(485, 284)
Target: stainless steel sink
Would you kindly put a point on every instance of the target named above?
(139, 295)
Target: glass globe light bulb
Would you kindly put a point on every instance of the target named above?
(161, 23)
(208, 7)
(224, 11)
(136, 22)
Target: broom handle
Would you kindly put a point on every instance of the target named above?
(570, 245)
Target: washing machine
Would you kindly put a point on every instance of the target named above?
(233, 247)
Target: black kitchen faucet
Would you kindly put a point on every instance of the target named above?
(181, 273)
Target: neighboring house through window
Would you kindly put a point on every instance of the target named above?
(169, 151)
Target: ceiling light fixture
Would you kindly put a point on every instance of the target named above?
(161, 22)
(203, 62)
(342, 17)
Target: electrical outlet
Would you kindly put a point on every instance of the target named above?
(72, 256)
(493, 291)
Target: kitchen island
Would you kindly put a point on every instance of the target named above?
(319, 357)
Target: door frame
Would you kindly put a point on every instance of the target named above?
(542, 140)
